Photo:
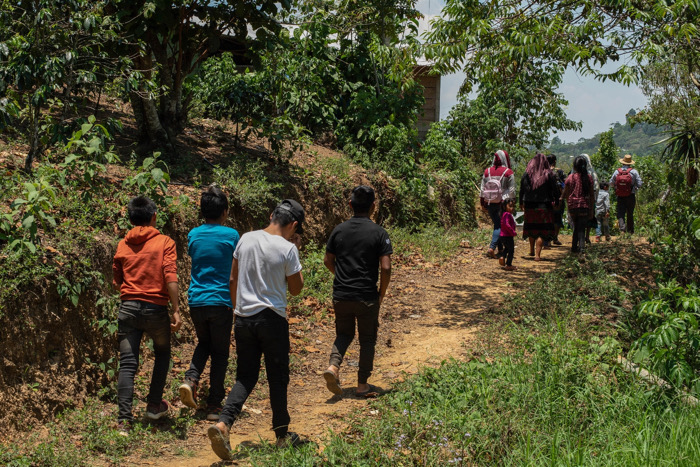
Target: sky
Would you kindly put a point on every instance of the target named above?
(597, 105)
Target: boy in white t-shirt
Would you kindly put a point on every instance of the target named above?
(265, 266)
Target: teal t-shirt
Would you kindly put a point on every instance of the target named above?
(211, 248)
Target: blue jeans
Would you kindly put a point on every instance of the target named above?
(603, 227)
(494, 211)
(213, 326)
(263, 334)
(135, 318)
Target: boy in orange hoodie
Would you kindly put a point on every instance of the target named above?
(145, 271)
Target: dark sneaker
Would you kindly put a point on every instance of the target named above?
(213, 412)
(290, 440)
(220, 442)
(156, 411)
(188, 393)
(124, 428)
(557, 242)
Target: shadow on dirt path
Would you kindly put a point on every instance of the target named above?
(430, 314)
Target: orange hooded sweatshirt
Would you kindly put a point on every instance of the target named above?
(143, 265)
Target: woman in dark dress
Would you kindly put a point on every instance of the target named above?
(579, 193)
(539, 193)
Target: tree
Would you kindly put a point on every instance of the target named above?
(605, 159)
(673, 93)
(51, 51)
(518, 110)
(168, 42)
(479, 37)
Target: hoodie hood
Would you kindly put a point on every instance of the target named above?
(141, 234)
(501, 159)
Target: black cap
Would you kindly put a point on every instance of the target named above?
(296, 211)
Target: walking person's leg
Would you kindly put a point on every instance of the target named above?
(248, 352)
(188, 390)
(580, 221)
(621, 212)
(220, 327)
(129, 338)
(606, 227)
(273, 336)
(345, 333)
(367, 326)
(509, 243)
(631, 202)
(157, 325)
(494, 211)
(599, 227)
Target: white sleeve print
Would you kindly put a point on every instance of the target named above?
(291, 263)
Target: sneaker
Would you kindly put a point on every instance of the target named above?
(124, 428)
(557, 242)
(502, 261)
(220, 443)
(188, 393)
(156, 411)
(290, 440)
(597, 238)
(490, 253)
(213, 412)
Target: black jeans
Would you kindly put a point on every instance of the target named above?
(367, 316)
(213, 326)
(580, 219)
(135, 318)
(509, 249)
(263, 334)
(625, 206)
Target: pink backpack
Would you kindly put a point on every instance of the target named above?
(492, 189)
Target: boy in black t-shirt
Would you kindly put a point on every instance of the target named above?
(355, 253)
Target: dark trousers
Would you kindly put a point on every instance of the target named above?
(135, 318)
(263, 334)
(580, 218)
(213, 327)
(495, 212)
(509, 249)
(625, 207)
(367, 316)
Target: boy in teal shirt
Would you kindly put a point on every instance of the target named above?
(211, 248)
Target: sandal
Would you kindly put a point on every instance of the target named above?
(332, 383)
(373, 391)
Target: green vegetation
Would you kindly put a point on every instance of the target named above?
(544, 390)
(638, 140)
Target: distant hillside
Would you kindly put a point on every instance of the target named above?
(638, 141)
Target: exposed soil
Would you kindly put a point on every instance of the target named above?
(432, 312)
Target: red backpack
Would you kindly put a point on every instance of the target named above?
(624, 182)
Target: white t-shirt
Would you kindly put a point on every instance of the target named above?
(264, 263)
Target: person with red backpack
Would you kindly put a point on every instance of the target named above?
(497, 187)
(626, 182)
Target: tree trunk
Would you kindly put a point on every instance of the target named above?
(34, 142)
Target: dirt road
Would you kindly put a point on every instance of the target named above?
(433, 312)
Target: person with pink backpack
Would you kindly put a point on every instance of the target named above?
(626, 182)
(497, 187)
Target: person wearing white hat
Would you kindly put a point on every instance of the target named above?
(626, 181)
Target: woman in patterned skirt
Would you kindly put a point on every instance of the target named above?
(539, 193)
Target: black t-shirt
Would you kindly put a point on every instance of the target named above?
(357, 245)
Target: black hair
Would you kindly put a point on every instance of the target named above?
(282, 217)
(510, 202)
(581, 168)
(604, 185)
(552, 159)
(362, 199)
(214, 203)
(141, 210)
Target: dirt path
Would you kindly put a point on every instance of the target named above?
(433, 312)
